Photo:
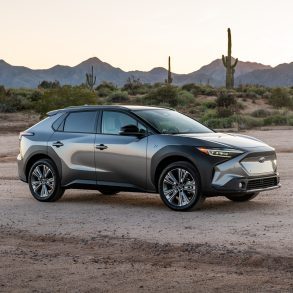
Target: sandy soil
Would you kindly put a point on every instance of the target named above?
(132, 242)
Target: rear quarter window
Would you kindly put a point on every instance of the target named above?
(57, 125)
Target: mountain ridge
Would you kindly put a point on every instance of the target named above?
(213, 73)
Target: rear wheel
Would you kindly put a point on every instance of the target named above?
(242, 198)
(44, 181)
(108, 191)
(179, 187)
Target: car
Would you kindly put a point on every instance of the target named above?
(142, 149)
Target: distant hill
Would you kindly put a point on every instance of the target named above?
(213, 73)
(281, 75)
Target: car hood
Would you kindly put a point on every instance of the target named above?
(228, 139)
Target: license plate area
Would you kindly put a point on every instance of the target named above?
(258, 165)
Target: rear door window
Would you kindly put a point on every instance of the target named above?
(84, 122)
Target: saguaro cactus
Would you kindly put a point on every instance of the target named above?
(227, 61)
(169, 78)
(91, 79)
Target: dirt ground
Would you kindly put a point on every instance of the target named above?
(131, 242)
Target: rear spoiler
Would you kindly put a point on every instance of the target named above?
(54, 112)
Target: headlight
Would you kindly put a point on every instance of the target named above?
(223, 153)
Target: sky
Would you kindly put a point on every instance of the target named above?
(141, 34)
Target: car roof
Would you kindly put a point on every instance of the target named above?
(104, 107)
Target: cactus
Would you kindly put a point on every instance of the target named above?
(169, 78)
(227, 62)
(91, 79)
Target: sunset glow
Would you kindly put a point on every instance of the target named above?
(141, 34)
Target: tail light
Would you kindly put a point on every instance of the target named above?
(25, 133)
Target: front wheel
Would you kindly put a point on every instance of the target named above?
(242, 198)
(44, 181)
(179, 187)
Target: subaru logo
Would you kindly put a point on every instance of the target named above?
(262, 159)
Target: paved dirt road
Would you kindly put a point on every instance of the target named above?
(132, 242)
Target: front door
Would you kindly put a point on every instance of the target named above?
(120, 159)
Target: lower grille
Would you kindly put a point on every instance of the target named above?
(262, 183)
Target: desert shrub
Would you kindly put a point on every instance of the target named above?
(227, 92)
(240, 106)
(49, 84)
(63, 97)
(209, 114)
(226, 100)
(247, 122)
(11, 103)
(166, 94)
(218, 123)
(280, 98)
(209, 104)
(267, 95)
(188, 87)
(243, 122)
(133, 86)
(118, 97)
(139, 100)
(35, 96)
(2, 91)
(197, 89)
(226, 104)
(277, 119)
(224, 112)
(157, 85)
(185, 98)
(252, 90)
(290, 121)
(105, 89)
(4, 108)
(260, 113)
(207, 90)
(194, 111)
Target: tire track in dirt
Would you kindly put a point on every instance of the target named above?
(166, 261)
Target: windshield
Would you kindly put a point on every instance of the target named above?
(171, 122)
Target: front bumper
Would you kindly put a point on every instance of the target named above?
(250, 185)
(247, 173)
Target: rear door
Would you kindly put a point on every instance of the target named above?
(120, 159)
(73, 142)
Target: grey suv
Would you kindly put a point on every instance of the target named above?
(147, 149)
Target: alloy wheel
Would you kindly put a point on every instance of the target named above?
(43, 181)
(179, 187)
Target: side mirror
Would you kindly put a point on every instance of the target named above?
(130, 130)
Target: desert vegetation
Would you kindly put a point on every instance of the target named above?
(243, 107)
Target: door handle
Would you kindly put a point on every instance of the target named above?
(101, 147)
(57, 144)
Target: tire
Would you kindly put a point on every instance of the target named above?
(242, 198)
(44, 181)
(180, 196)
(108, 191)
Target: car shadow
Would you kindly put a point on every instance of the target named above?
(126, 199)
(153, 201)
(221, 204)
